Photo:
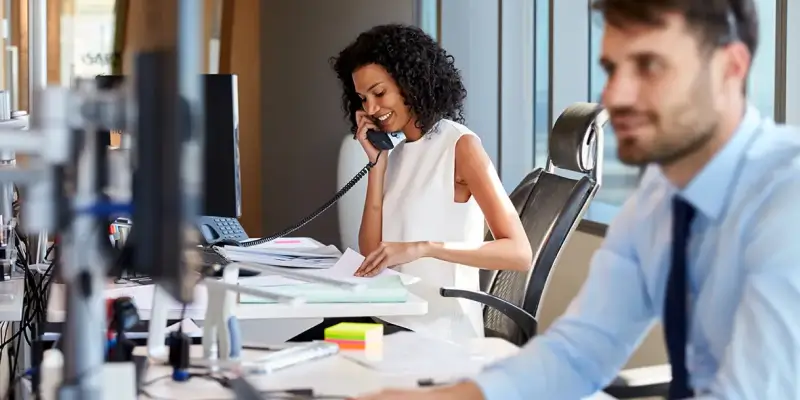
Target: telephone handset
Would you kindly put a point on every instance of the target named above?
(228, 231)
(380, 140)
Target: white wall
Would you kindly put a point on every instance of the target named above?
(303, 124)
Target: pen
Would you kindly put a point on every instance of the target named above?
(265, 348)
(429, 382)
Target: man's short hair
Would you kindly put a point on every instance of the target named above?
(716, 22)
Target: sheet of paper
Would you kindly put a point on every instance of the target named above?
(347, 265)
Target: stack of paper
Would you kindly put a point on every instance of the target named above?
(386, 287)
(281, 256)
(343, 269)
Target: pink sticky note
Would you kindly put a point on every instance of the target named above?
(288, 241)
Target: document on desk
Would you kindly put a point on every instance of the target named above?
(329, 251)
(292, 257)
(346, 266)
(289, 243)
(386, 287)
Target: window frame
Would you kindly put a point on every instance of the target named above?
(494, 44)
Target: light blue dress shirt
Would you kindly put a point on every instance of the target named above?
(744, 271)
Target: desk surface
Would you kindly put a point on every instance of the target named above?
(335, 375)
(413, 306)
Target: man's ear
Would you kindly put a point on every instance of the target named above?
(738, 62)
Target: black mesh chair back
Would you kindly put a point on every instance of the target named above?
(550, 204)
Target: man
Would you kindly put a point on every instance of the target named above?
(707, 243)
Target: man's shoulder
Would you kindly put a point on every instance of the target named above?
(776, 148)
(769, 181)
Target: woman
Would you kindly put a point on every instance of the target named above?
(427, 202)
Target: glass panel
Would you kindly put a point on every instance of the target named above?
(429, 17)
(541, 85)
(761, 85)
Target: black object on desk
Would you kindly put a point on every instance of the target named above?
(210, 256)
(124, 316)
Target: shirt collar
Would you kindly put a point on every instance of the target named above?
(708, 191)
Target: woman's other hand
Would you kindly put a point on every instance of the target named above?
(390, 254)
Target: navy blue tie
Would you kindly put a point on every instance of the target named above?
(675, 303)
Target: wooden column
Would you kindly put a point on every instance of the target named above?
(211, 15)
(19, 39)
(54, 9)
(150, 26)
(240, 54)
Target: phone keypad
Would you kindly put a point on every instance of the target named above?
(230, 228)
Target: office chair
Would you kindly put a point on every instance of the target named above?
(636, 383)
(550, 206)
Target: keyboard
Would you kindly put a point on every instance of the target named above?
(291, 356)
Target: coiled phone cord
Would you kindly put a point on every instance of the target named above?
(364, 171)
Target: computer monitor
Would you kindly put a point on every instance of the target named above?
(222, 176)
(223, 187)
(222, 191)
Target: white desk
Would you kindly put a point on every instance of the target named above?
(413, 306)
(260, 323)
(335, 375)
(314, 312)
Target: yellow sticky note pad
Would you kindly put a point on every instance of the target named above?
(356, 336)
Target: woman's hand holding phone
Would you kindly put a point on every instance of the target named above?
(365, 123)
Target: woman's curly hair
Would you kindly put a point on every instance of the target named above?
(427, 76)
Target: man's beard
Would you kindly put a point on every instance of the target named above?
(666, 154)
(692, 126)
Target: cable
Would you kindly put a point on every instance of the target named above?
(33, 309)
(364, 171)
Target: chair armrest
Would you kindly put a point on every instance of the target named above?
(633, 383)
(526, 322)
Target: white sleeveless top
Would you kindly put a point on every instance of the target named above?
(418, 205)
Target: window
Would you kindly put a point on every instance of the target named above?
(87, 39)
(761, 85)
(543, 55)
(790, 11)
(619, 180)
(541, 81)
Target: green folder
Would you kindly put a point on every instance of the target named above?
(387, 289)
